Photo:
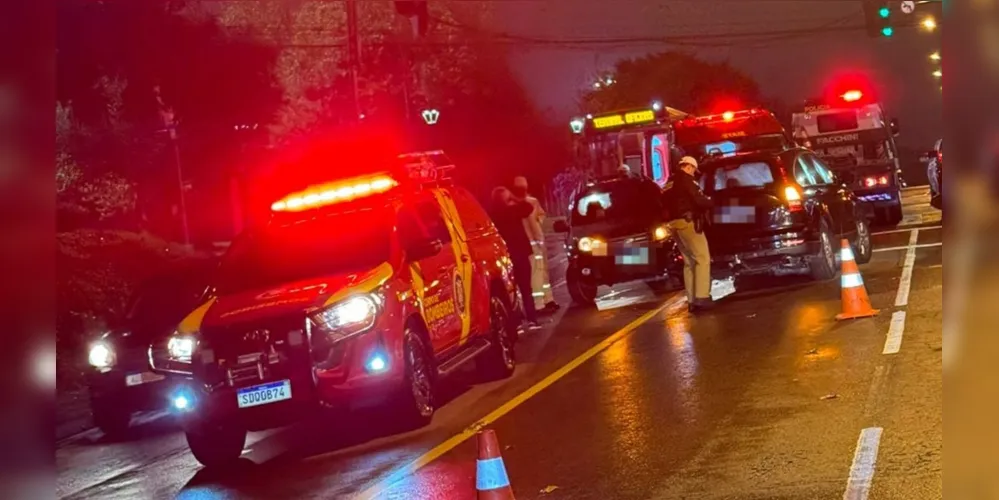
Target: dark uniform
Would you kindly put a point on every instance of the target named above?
(686, 209)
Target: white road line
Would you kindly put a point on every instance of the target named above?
(858, 486)
(894, 341)
(902, 298)
(927, 228)
(921, 245)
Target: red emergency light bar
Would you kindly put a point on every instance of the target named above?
(726, 117)
(852, 95)
(334, 192)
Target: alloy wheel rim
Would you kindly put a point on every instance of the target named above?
(502, 335)
(420, 380)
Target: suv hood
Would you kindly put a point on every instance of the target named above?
(288, 298)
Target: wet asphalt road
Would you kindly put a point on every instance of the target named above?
(764, 397)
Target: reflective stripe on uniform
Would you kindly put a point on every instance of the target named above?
(851, 280)
(490, 474)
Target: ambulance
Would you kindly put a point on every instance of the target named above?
(851, 132)
(360, 291)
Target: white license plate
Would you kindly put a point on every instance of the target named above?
(142, 378)
(264, 394)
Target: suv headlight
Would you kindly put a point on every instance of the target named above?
(348, 318)
(181, 348)
(101, 355)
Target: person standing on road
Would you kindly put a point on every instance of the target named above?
(534, 227)
(508, 214)
(686, 209)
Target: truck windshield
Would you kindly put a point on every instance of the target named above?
(329, 244)
(733, 145)
(836, 122)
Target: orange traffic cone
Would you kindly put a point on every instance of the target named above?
(491, 481)
(856, 304)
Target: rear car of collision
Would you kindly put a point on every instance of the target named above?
(363, 291)
(780, 213)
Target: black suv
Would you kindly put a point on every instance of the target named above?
(615, 233)
(782, 212)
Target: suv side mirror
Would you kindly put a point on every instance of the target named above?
(848, 177)
(561, 227)
(424, 250)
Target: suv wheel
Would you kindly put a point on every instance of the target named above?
(417, 401)
(499, 362)
(583, 293)
(112, 419)
(823, 265)
(894, 214)
(216, 445)
(862, 248)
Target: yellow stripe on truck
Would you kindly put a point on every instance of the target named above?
(192, 323)
(376, 278)
(460, 246)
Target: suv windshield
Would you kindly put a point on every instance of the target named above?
(623, 201)
(329, 244)
(736, 175)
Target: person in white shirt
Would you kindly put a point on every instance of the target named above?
(534, 227)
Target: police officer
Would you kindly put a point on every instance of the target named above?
(686, 209)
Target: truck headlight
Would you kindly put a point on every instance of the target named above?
(101, 355)
(348, 318)
(181, 348)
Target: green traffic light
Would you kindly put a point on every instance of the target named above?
(887, 31)
(884, 12)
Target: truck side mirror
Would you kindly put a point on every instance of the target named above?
(560, 226)
(424, 250)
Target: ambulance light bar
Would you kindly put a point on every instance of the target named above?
(334, 192)
(726, 117)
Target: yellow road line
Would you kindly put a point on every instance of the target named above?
(454, 441)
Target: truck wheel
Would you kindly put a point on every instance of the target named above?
(823, 264)
(862, 249)
(417, 399)
(112, 419)
(216, 445)
(582, 292)
(500, 361)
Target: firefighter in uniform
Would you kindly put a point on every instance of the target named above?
(533, 226)
(687, 210)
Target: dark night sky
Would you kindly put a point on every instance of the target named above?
(792, 69)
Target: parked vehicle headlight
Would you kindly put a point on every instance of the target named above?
(181, 348)
(101, 355)
(661, 233)
(349, 317)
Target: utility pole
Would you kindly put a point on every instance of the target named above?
(354, 49)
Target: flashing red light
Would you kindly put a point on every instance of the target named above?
(852, 95)
(728, 116)
(333, 193)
